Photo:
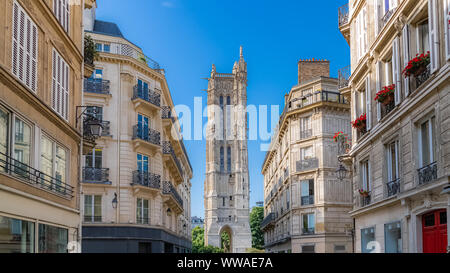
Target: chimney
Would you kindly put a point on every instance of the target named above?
(310, 69)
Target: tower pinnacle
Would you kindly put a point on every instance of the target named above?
(241, 53)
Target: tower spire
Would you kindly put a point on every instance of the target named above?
(241, 50)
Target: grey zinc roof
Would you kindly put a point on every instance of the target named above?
(107, 28)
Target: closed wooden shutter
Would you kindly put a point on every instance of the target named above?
(61, 9)
(447, 28)
(406, 55)
(60, 85)
(396, 70)
(433, 25)
(24, 47)
(368, 104)
(378, 86)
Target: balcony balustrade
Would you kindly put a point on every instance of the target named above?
(343, 15)
(365, 200)
(427, 174)
(307, 200)
(147, 95)
(307, 164)
(169, 189)
(146, 134)
(95, 175)
(268, 220)
(166, 113)
(385, 19)
(168, 150)
(304, 134)
(393, 187)
(308, 231)
(97, 86)
(34, 177)
(146, 179)
(423, 77)
(386, 109)
(344, 76)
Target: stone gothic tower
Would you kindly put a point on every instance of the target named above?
(227, 180)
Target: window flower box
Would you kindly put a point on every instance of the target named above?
(386, 95)
(417, 65)
(360, 123)
(364, 193)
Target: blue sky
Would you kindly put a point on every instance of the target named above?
(187, 36)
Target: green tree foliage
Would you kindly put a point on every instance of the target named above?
(198, 242)
(90, 53)
(225, 242)
(256, 218)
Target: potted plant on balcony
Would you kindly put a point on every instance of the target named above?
(340, 137)
(386, 95)
(90, 54)
(363, 193)
(360, 123)
(417, 65)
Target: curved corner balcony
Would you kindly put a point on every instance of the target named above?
(167, 118)
(146, 138)
(96, 176)
(144, 98)
(307, 164)
(173, 162)
(268, 221)
(146, 180)
(174, 199)
(96, 86)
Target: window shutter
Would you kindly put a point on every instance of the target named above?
(24, 47)
(365, 37)
(358, 40)
(447, 28)
(378, 88)
(377, 14)
(368, 104)
(396, 70)
(434, 35)
(406, 54)
(60, 85)
(61, 9)
(369, 180)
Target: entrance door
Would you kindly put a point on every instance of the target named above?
(434, 231)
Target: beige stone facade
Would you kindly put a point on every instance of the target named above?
(402, 156)
(140, 161)
(306, 205)
(41, 66)
(227, 185)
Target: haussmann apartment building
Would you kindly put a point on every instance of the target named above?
(306, 206)
(400, 154)
(41, 72)
(136, 181)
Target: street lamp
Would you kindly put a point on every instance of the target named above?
(341, 171)
(92, 126)
(114, 201)
(169, 211)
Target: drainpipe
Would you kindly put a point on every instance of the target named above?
(353, 235)
(119, 113)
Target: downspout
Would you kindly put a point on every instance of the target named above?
(80, 162)
(118, 144)
(353, 235)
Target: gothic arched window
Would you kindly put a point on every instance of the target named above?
(229, 159)
(222, 167)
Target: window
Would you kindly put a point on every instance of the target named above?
(307, 192)
(22, 147)
(306, 153)
(18, 236)
(95, 111)
(392, 161)
(142, 162)
(92, 208)
(423, 41)
(221, 102)
(142, 211)
(305, 127)
(308, 223)
(393, 237)
(60, 86)
(143, 126)
(53, 239)
(229, 159)
(61, 8)
(53, 161)
(367, 237)
(94, 159)
(222, 167)
(106, 48)
(24, 48)
(365, 176)
(97, 74)
(4, 131)
(308, 249)
(426, 142)
(361, 33)
(103, 47)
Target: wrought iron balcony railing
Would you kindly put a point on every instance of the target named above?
(365, 200)
(95, 175)
(307, 164)
(147, 95)
(168, 150)
(307, 200)
(146, 179)
(168, 188)
(385, 19)
(423, 77)
(166, 113)
(308, 231)
(147, 134)
(344, 76)
(97, 86)
(393, 187)
(270, 218)
(34, 177)
(427, 174)
(386, 109)
(343, 15)
(143, 221)
(92, 219)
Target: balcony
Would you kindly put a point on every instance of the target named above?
(307, 200)
(166, 115)
(423, 77)
(385, 19)
(146, 98)
(92, 219)
(149, 138)
(365, 200)
(268, 221)
(169, 189)
(171, 158)
(305, 134)
(343, 15)
(97, 86)
(344, 76)
(145, 179)
(33, 177)
(427, 174)
(393, 187)
(386, 109)
(96, 176)
(308, 231)
(307, 164)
